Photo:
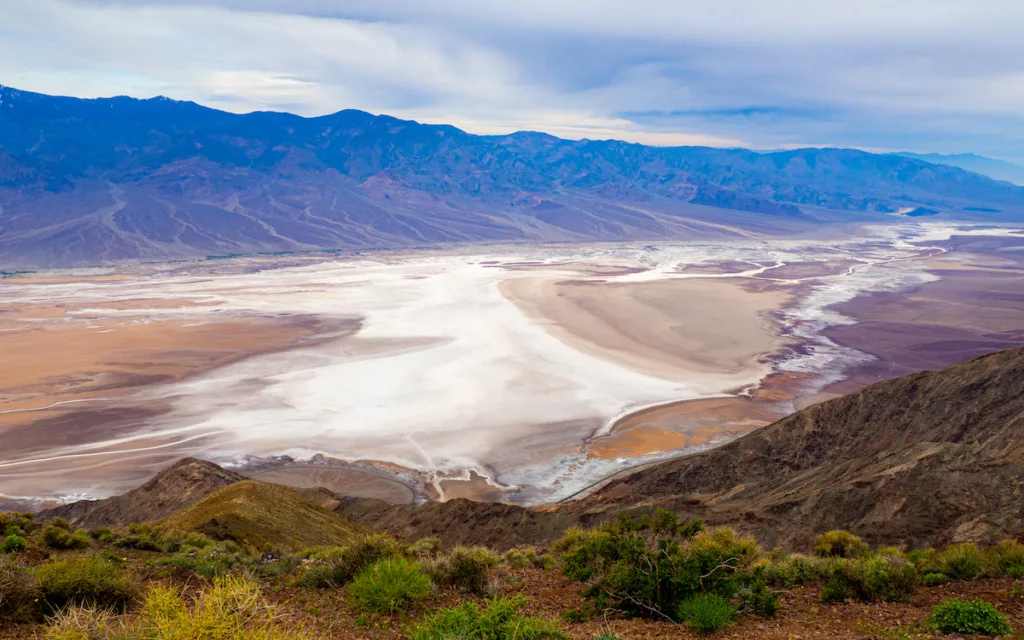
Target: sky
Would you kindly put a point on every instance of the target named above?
(942, 76)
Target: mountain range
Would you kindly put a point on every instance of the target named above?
(91, 181)
(991, 167)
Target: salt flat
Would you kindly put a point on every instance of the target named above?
(502, 360)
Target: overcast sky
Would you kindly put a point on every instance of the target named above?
(922, 75)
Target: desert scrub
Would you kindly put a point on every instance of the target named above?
(934, 579)
(56, 536)
(757, 599)
(877, 578)
(208, 561)
(326, 567)
(839, 544)
(17, 524)
(425, 548)
(959, 562)
(230, 609)
(526, 558)
(706, 613)
(18, 590)
(13, 544)
(1004, 559)
(85, 581)
(648, 568)
(464, 568)
(389, 585)
(794, 570)
(500, 619)
(959, 616)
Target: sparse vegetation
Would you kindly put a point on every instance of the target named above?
(706, 613)
(934, 579)
(978, 617)
(13, 544)
(389, 585)
(84, 581)
(877, 578)
(19, 590)
(326, 567)
(960, 562)
(231, 609)
(63, 538)
(499, 619)
(839, 544)
(464, 568)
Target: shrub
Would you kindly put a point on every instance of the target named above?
(144, 537)
(649, 567)
(87, 580)
(62, 538)
(1004, 559)
(794, 570)
(425, 547)
(13, 544)
(20, 524)
(706, 613)
(878, 578)
(980, 617)
(337, 566)
(230, 609)
(527, 558)
(389, 585)
(464, 568)
(960, 562)
(500, 619)
(757, 599)
(839, 544)
(208, 561)
(834, 591)
(934, 579)
(18, 589)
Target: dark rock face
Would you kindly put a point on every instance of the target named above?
(931, 457)
(85, 181)
(180, 485)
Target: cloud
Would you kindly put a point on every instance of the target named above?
(927, 75)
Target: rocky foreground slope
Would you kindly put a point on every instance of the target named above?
(929, 458)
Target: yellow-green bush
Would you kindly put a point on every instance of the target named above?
(499, 619)
(464, 568)
(872, 578)
(84, 581)
(231, 609)
(839, 544)
(526, 558)
(389, 585)
(18, 590)
(326, 567)
(59, 537)
(959, 561)
(1006, 558)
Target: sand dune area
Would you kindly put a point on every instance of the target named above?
(514, 373)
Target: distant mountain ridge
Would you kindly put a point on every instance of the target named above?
(991, 167)
(85, 181)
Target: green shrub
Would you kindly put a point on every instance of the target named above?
(84, 581)
(16, 524)
(60, 537)
(875, 578)
(706, 613)
(648, 568)
(960, 562)
(336, 566)
(980, 617)
(144, 537)
(500, 619)
(464, 568)
(13, 544)
(758, 600)
(18, 590)
(389, 585)
(934, 579)
(839, 544)
(1004, 559)
(834, 591)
